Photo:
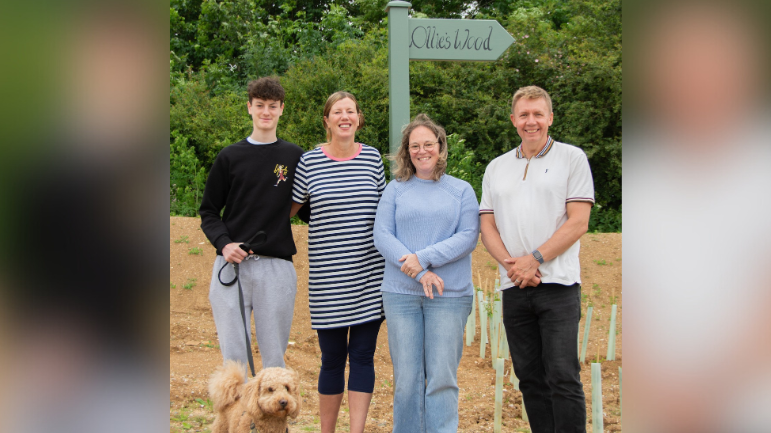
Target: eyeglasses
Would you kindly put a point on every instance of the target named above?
(427, 146)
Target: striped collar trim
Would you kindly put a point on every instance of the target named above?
(542, 153)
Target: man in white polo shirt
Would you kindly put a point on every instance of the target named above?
(536, 201)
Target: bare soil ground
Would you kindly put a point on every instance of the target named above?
(194, 351)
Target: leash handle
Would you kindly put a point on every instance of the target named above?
(258, 239)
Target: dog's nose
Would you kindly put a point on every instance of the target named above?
(282, 403)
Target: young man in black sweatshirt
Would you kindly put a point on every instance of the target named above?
(252, 180)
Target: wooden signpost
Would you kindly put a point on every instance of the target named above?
(431, 39)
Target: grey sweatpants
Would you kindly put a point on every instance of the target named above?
(269, 286)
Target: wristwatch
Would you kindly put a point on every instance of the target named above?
(538, 256)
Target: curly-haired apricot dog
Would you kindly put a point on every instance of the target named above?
(260, 405)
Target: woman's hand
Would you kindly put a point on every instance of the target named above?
(411, 265)
(431, 279)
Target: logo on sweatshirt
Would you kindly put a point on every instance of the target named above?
(280, 172)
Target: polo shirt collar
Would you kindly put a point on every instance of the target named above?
(542, 153)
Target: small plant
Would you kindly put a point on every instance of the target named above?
(183, 239)
(208, 404)
(468, 397)
(189, 284)
(489, 308)
(195, 250)
(172, 285)
(386, 383)
(600, 262)
(182, 416)
(492, 265)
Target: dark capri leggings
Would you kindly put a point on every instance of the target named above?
(359, 349)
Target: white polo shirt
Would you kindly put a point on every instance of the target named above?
(528, 199)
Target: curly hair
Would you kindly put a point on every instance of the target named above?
(404, 169)
(267, 88)
(333, 98)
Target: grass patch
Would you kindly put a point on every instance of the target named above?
(181, 240)
(195, 250)
(182, 416)
(207, 404)
(189, 284)
(172, 285)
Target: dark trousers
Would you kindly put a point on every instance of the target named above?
(542, 328)
(358, 349)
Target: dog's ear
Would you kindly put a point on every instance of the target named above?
(250, 393)
(296, 394)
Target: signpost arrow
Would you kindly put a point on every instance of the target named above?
(431, 39)
(442, 39)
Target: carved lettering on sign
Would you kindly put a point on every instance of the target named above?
(427, 37)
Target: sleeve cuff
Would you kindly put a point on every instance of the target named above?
(221, 242)
(423, 260)
(420, 274)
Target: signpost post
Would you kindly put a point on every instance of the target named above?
(432, 39)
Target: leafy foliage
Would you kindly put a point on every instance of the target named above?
(187, 178)
(462, 164)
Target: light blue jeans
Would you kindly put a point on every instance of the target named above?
(425, 337)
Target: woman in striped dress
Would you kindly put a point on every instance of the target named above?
(343, 181)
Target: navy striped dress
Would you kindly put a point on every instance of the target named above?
(346, 270)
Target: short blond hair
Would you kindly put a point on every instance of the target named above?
(404, 168)
(530, 92)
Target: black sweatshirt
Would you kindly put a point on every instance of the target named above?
(254, 185)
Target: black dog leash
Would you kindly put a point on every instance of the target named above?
(256, 240)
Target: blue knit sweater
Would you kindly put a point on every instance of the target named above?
(436, 220)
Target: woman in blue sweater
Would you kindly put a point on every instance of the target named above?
(426, 227)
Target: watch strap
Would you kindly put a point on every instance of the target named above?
(538, 256)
